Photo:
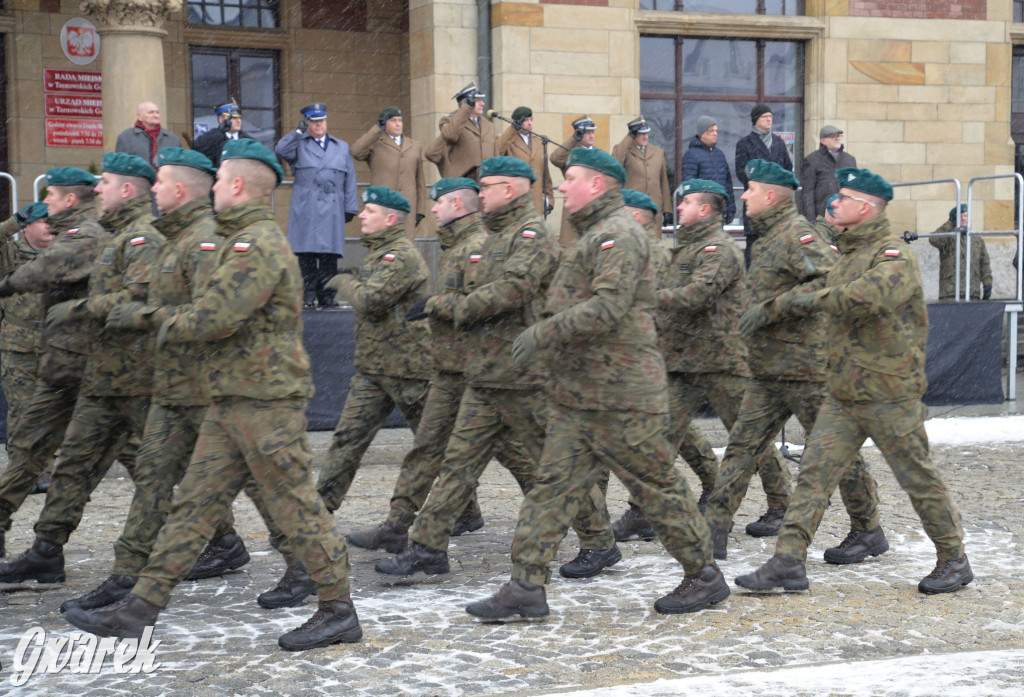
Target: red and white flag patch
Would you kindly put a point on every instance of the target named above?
(529, 234)
(891, 252)
(804, 239)
(389, 257)
(474, 258)
(72, 231)
(834, 248)
(136, 241)
(607, 244)
(242, 246)
(208, 246)
(711, 248)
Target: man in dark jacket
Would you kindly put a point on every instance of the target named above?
(818, 175)
(759, 144)
(229, 119)
(705, 161)
(146, 136)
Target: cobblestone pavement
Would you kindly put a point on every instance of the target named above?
(603, 637)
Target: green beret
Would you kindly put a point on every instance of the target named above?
(184, 158)
(383, 196)
(700, 186)
(249, 149)
(522, 112)
(952, 212)
(35, 211)
(638, 199)
(69, 176)
(128, 165)
(771, 173)
(506, 167)
(390, 112)
(599, 160)
(450, 184)
(864, 180)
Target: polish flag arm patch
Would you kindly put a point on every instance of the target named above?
(474, 258)
(72, 231)
(529, 234)
(389, 257)
(242, 246)
(804, 239)
(607, 244)
(208, 246)
(136, 241)
(711, 248)
(891, 252)
(834, 248)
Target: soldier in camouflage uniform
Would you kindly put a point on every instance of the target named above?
(179, 400)
(114, 397)
(877, 328)
(981, 267)
(59, 273)
(608, 406)
(255, 427)
(501, 400)
(787, 359)
(461, 235)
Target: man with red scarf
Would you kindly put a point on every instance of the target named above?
(146, 136)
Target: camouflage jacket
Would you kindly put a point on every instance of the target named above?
(462, 242)
(704, 303)
(877, 318)
(981, 267)
(122, 359)
(393, 276)
(180, 275)
(598, 336)
(250, 312)
(519, 259)
(661, 263)
(789, 254)
(21, 328)
(62, 273)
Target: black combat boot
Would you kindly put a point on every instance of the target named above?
(290, 591)
(513, 598)
(858, 546)
(781, 571)
(720, 541)
(110, 591)
(221, 555)
(467, 523)
(125, 619)
(633, 525)
(43, 562)
(696, 592)
(949, 575)
(768, 524)
(590, 562)
(705, 496)
(416, 558)
(388, 536)
(334, 622)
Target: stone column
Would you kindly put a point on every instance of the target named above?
(131, 58)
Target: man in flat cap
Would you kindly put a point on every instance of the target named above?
(60, 272)
(818, 172)
(255, 426)
(392, 362)
(323, 200)
(466, 139)
(147, 136)
(229, 127)
(501, 400)
(584, 133)
(786, 356)
(115, 392)
(876, 330)
(704, 160)
(760, 144)
(518, 141)
(396, 162)
(646, 169)
(606, 394)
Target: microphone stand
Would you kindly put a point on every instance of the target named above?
(544, 140)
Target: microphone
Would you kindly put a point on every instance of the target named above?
(491, 113)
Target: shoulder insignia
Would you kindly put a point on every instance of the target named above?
(607, 244)
(242, 246)
(136, 241)
(891, 252)
(804, 239)
(834, 248)
(529, 234)
(72, 231)
(390, 256)
(474, 258)
(208, 246)
(711, 248)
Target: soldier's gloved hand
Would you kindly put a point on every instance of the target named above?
(21, 219)
(340, 281)
(382, 124)
(225, 125)
(62, 312)
(524, 348)
(548, 207)
(349, 216)
(471, 99)
(518, 125)
(753, 319)
(303, 125)
(666, 220)
(419, 219)
(986, 292)
(577, 135)
(799, 304)
(161, 336)
(909, 236)
(133, 315)
(417, 311)
(5, 289)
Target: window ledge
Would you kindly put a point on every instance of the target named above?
(1017, 33)
(242, 37)
(728, 25)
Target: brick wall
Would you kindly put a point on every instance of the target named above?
(920, 9)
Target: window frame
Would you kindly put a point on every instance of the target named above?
(234, 82)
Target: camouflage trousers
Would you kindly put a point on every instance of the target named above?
(487, 417)
(898, 431)
(370, 400)
(697, 452)
(242, 439)
(96, 428)
(422, 464)
(579, 446)
(767, 405)
(18, 370)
